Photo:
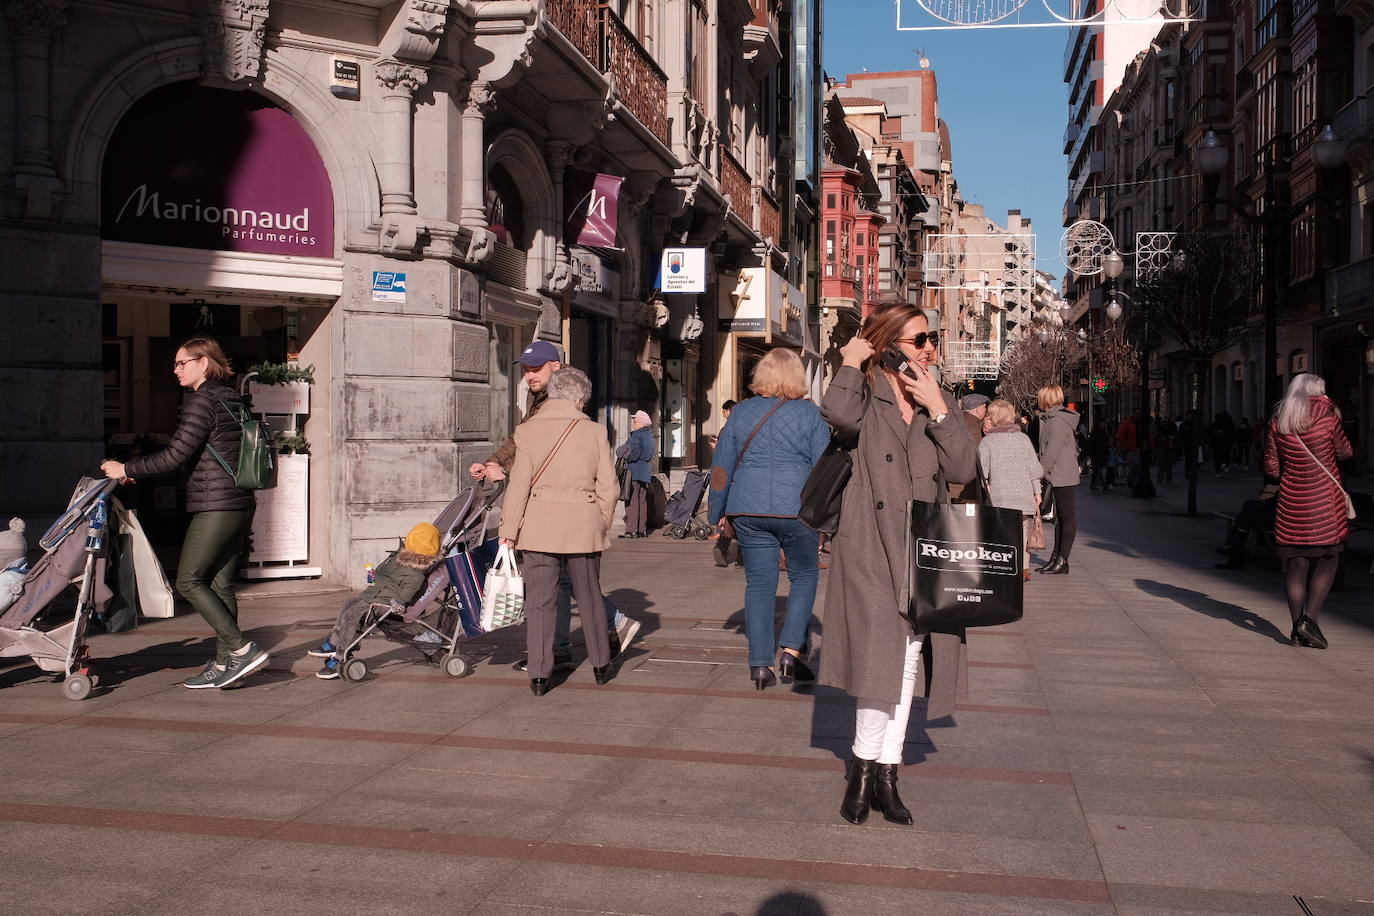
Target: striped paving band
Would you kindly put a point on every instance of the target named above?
(528, 745)
(495, 847)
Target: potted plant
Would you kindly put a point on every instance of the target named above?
(280, 388)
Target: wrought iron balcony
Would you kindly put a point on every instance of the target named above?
(769, 221)
(734, 183)
(594, 29)
(1355, 122)
(1349, 286)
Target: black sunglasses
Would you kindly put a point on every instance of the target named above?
(920, 339)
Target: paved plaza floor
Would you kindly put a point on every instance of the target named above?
(1145, 741)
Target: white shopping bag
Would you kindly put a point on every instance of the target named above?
(503, 598)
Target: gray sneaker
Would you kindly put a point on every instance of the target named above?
(207, 677)
(244, 663)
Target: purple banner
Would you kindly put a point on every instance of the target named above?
(206, 168)
(591, 200)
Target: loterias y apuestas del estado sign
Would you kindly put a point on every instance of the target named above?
(206, 168)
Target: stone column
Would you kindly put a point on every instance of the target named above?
(479, 101)
(396, 164)
(33, 23)
(558, 278)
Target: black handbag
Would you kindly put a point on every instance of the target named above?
(965, 567)
(823, 493)
(1046, 501)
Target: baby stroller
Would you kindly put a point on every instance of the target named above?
(74, 554)
(450, 605)
(684, 515)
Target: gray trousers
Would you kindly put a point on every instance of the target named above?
(637, 509)
(541, 572)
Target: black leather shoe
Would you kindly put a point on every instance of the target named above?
(1048, 563)
(539, 686)
(602, 674)
(858, 791)
(790, 666)
(1307, 634)
(560, 660)
(885, 797)
(762, 676)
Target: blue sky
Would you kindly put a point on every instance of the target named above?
(1001, 92)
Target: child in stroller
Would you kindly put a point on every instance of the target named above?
(397, 581)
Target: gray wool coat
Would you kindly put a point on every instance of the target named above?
(1059, 448)
(865, 632)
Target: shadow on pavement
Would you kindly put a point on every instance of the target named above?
(791, 903)
(1221, 610)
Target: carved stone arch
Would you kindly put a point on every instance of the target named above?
(516, 152)
(352, 173)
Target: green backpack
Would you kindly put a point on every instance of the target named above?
(257, 468)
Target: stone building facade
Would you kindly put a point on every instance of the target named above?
(382, 192)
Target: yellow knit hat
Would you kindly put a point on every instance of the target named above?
(423, 539)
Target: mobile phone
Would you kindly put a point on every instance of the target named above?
(899, 362)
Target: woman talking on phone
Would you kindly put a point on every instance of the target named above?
(912, 443)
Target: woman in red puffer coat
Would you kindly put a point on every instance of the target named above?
(1305, 442)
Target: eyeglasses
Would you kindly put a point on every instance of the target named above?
(181, 362)
(919, 341)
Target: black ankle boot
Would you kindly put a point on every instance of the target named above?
(858, 793)
(1059, 567)
(885, 797)
(539, 686)
(1048, 563)
(602, 675)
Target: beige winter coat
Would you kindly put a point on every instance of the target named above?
(865, 632)
(569, 509)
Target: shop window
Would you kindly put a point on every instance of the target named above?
(505, 209)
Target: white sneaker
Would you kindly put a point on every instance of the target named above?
(626, 631)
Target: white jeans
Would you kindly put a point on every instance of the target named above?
(880, 728)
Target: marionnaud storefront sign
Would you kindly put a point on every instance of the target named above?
(205, 168)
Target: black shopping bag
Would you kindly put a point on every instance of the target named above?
(965, 566)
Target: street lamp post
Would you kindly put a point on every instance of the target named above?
(1328, 152)
(1113, 267)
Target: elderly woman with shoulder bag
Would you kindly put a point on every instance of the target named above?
(558, 509)
(912, 442)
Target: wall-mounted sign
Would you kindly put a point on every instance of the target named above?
(345, 79)
(388, 286)
(683, 270)
(207, 168)
(732, 325)
(469, 293)
(592, 202)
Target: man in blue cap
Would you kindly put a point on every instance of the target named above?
(540, 361)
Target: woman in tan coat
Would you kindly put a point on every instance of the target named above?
(557, 512)
(913, 442)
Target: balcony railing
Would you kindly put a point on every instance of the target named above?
(643, 87)
(596, 31)
(769, 219)
(1355, 122)
(734, 183)
(1351, 285)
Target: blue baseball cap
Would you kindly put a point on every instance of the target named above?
(540, 352)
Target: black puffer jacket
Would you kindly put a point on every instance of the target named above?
(203, 418)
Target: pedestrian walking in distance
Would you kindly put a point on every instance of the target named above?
(1059, 458)
(1311, 528)
(558, 509)
(638, 450)
(1009, 468)
(913, 443)
(763, 457)
(221, 513)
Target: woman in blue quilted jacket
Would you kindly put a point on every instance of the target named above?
(765, 453)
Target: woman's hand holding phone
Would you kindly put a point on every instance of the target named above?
(925, 390)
